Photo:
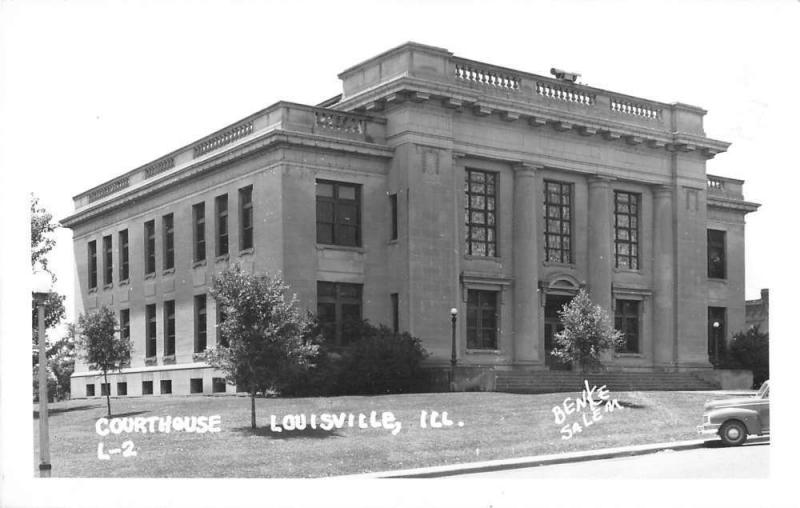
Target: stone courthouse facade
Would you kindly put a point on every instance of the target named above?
(430, 182)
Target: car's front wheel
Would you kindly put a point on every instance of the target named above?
(733, 433)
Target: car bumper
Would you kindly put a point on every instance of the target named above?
(708, 428)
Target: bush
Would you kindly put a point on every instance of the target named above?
(750, 350)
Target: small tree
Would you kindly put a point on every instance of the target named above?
(587, 334)
(266, 334)
(750, 350)
(100, 346)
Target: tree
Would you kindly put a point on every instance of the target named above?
(266, 334)
(587, 334)
(61, 360)
(750, 350)
(100, 345)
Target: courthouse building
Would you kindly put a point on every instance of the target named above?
(430, 182)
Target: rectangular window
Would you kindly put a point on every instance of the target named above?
(166, 386)
(246, 218)
(169, 327)
(199, 323)
(481, 319)
(218, 385)
(108, 261)
(123, 255)
(717, 333)
(196, 385)
(338, 213)
(393, 205)
(395, 312)
(105, 389)
(626, 230)
(626, 320)
(480, 188)
(558, 222)
(122, 388)
(93, 264)
(150, 330)
(221, 213)
(150, 247)
(147, 388)
(125, 330)
(90, 389)
(222, 341)
(199, 231)
(339, 311)
(168, 227)
(716, 254)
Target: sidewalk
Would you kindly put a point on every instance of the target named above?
(540, 460)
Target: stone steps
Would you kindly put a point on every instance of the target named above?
(560, 381)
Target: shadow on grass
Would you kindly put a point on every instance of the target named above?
(55, 411)
(287, 434)
(630, 405)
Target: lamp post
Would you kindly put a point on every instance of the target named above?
(453, 315)
(41, 288)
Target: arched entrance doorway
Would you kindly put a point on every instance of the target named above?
(557, 292)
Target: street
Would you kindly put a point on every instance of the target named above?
(748, 461)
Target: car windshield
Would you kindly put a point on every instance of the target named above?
(763, 392)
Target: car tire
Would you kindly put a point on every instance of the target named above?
(733, 433)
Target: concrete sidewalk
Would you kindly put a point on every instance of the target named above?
(540, 460)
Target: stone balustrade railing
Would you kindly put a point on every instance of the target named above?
(486, 75)
(283, 116)
(565, 93)
(641, 110)
(722, 186)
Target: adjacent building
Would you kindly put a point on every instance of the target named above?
(431, 182)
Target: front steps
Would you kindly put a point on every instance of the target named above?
(567, 381)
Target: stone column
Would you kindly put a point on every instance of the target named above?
(601, 259)
(663, 277)
(526, 265)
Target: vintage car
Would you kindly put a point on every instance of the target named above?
(735, 419)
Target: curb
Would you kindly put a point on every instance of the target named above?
(539, 460)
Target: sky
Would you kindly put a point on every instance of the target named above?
(90, 90)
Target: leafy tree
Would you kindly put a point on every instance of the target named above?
(100, 346)
(750, 350)
(266, 334)
(587, 334)
(61, 360)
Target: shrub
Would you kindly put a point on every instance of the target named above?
(750, 350)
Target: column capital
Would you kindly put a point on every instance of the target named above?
(662, 190)
(601, 180)
(526, 168)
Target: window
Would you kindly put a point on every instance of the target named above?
(122, 388)
(481, 319)
(221, 212)
(218, 385)
(395, 312)
(105, 389)
(481, 225)
(339, 311)
(150, 247)
(108, 261)
(168, 226)
(169, 327)
(93, 264)
(717, 332)
(150, 331)
(222, 341)
(196, 385)
(147, 388)
(626, 230)
(558, 222)
(199, 323)
(338, 213)
(716, 254)
(246, 218)
(393, 205)
(199, 229)
(166, 386)
(626, 320)
(123, 255)
(90, 389)
(125, 328)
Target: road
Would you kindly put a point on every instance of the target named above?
(748, 461)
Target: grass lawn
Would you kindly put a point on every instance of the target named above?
(496, 426)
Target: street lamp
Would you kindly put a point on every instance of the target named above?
(715, 325)
(41, 289)
(453, 315)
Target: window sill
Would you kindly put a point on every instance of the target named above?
(222, 258)
(351, 248)
(168, 271)
(723, 280)
(627, 270)
(110, 285)
(571, 266)
(168, 359)
(151, 275)
(470, 257)
(246, 252)
(197, 264)
(123, 282)
(628, 355)
(150, 360)
(393, 241)
(198, 357)
(92, 290)
(484, 351)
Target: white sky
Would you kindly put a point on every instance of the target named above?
(90, 90)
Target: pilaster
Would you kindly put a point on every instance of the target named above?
(600, 249)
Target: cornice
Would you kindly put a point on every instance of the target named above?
(732, 204)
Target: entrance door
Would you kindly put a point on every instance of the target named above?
(552, 325)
